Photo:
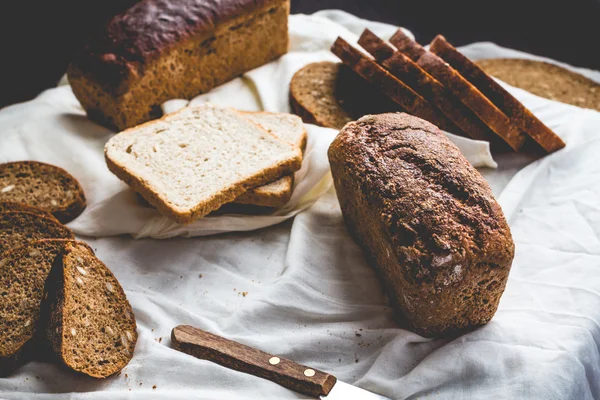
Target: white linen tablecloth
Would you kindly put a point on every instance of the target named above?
(302, 289)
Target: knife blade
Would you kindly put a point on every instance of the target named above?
(286, 373)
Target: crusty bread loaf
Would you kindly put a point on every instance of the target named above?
(88, 322)
(289, 128)
(193, 161)
(44, 186)
(23, 273)
(426, 85)
(388, 84)
(18, 228)
(426, 219)
(164, 49)
(331, 94)
(519, 115)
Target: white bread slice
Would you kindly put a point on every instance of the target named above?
(289, 128)
(191, 162)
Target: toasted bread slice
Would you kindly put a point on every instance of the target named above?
(22, 277)
(389, 84)
(426, 85)
(44, 186)
(193, 161)
(18, 228)
(89, 324)
(519, 115)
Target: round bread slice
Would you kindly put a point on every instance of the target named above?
(45, 186)
(23, 273)
(90, 324)
(18, 228)
(12, 206)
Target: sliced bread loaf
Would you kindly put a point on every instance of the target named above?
(289, 128)
(389, 84)
(331, 94)
(403, 68)
(191, 162)
(18, 228)
(23, 273)
(13, 206)
(519, 115)
(44, 186)
(90, 325)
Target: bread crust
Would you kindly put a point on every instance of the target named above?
(407, 98)
(426, 219)
(519, 114)
(402, 67)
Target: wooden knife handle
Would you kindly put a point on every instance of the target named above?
(236, 356)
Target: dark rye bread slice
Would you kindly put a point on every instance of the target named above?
(18, 228)
(491, 115)
(331, 95)
(426, 85)
(23, 273)
(12, 206)
(388, 84)
(44, 186)
(90, 324)
(519, 115)
(426, 219)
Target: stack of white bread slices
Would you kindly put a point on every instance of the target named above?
(200, 158)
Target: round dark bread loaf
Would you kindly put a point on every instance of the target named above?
(44, 186)
(23, 273)
(426, 219)
(90, 325)
(17, 228)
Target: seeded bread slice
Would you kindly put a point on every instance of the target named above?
(193, 161)
(389, 85)
(18, 228)
(289, 128)
(44, 186)
(90, 325)
(519, 115)
(12, 206)
(331, 95)
(426, 85)
(23, 273)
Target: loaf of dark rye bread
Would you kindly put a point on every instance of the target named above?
(165, 49)
(44, 186)
(18, 228)
(388, 84)
(426, 85)
(88, 321)
(23, 273)
(426, 219)
(519, 115)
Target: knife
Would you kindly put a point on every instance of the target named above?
(286, 373)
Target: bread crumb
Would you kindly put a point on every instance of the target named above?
(160, 339)
(200, 276)
(244, 294)
(154, 387)
(357, 334)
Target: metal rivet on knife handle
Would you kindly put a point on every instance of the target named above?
(309, 372)
(274, 360)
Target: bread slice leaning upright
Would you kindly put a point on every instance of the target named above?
(89, 324)
(193, 161)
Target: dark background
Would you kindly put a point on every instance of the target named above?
(37, 38)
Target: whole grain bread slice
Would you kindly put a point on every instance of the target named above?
(18, 228)
(13, 206)
(44, 186)
(193, 161)
(289, 128)
(89, 323)
(519, 114)
(491, 115)
(389, 84)
(426, 85)
(331, 95)
(23, 273)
